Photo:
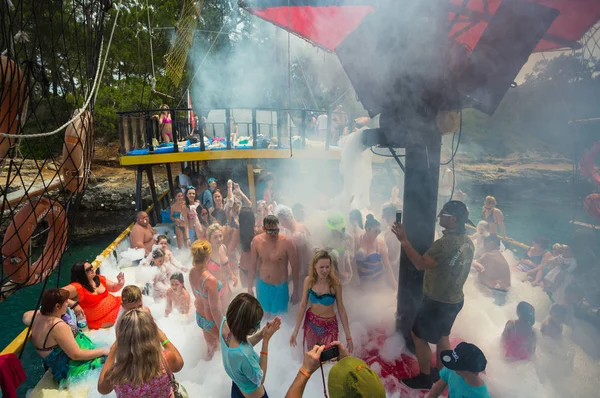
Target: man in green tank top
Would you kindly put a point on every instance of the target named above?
(446, 265)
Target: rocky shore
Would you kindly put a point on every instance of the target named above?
(108, 205)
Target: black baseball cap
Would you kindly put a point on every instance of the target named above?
(459, 210)
(465, 356)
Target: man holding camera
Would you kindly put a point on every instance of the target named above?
(446, 265)
(349, 377)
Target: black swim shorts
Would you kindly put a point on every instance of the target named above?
(435, 319)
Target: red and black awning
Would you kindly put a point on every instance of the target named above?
(326, 23)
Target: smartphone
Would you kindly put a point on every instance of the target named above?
(329, 353)
(399, 216)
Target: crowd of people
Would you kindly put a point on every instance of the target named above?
(272, 254)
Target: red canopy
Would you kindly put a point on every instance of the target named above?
(326, 23)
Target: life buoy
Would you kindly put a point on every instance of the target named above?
(13, 103)
(17, 241)
(588, 164)
(76, 158)
(591, 204)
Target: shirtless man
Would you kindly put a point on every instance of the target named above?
(388, 215)
(494, 271)
(299, 235)
(270, 254)
(142, 233)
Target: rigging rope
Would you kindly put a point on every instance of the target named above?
(93, 91)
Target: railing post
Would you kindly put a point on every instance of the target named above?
(202, 131)
(303, 124)
(138, 188)
(148, 127)
(329, 124)
(228, 127)
(279, 125)
(174, 131)
(170, 178)
(123, 149)
(156, 208)
(254, 128)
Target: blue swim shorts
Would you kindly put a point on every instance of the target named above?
(273, 298)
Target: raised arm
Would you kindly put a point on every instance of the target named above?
(391, 279)
(116, 286)
(301, 311)
(421, 262)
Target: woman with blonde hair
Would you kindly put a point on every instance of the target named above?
(323, 289)
(141, 361)
(179, 214)
(165, 123)
(206, 288)
(493, 216)
(218, 263)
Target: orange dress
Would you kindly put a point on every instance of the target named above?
(98, 308)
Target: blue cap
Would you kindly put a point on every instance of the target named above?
(211, 179)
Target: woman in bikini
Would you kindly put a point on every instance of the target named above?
(372, 262)
(165, 124)
(324, 290)
(493, 216)
(247, 232)
(64, 349)
(179, 214)
(206, 289)
(195, 230)
(91, 291)
(218, 264)
(535, 255)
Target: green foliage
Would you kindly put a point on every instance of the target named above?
(535, 116)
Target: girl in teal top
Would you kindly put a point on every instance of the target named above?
(238, 334)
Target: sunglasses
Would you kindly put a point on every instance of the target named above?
(271, 231)
(445, 215)
(89, 269)
(191, 187)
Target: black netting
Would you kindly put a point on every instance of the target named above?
(51, 64)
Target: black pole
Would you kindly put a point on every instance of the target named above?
(149, 132)
(328, 134)
(174, 131)
(228, 127)
(156, 207)
(170, 178)
(254, 129)
(421, 178)
(138, 188)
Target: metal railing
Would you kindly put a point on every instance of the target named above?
(140, 129)
(19, 342)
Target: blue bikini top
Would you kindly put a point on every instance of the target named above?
(219, 287)
(326, 299)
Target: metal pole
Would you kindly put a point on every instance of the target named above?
(138, 188)
(148, 126)
(156, 208)
(228, 128)
(170, 178)
(421, 180)
(254, 128)
(174, 131)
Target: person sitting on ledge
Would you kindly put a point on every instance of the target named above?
(92, 292)
(142, 233)
(64, 349)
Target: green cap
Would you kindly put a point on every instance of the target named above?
(352, 378)
(335, 221)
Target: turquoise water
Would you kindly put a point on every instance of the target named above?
(13, 308)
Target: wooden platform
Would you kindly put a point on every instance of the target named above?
(331, 154)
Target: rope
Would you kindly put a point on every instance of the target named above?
(93, 91)
(153, 84)
(200, 66)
